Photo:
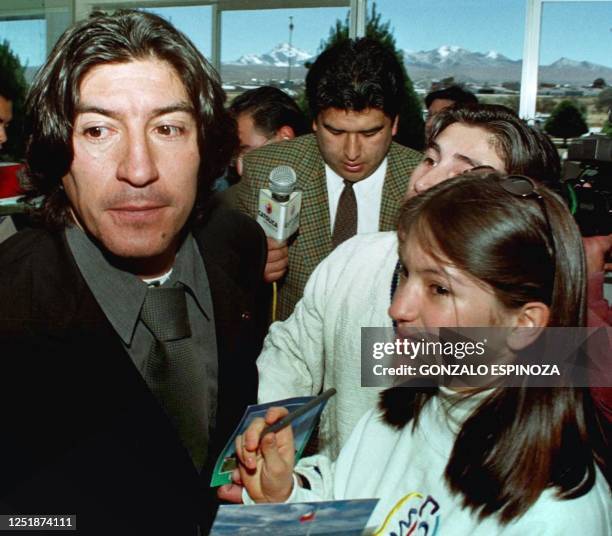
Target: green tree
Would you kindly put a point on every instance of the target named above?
(411, 131)
(13, 79)
(566, 121)
(607, 128)
(599, 83)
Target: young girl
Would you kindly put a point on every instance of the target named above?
(474, 251)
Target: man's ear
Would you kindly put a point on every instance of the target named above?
(395, 125)
(284, 133)
(529, 321)
(239, 165)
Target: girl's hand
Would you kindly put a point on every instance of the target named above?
(266, 469)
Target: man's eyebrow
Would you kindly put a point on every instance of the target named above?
(178, 107)
(372, 130)
(331, 127)
(156, 112)
(366, 131)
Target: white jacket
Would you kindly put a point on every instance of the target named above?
(319, 345)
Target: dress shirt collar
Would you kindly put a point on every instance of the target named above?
(368, 193)
(121, 294)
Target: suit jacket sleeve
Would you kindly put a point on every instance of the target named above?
(259, 163)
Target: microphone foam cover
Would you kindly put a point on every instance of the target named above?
(282, 180)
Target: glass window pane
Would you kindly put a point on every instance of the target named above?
(575, 60)
(255, 43)
(193, 21)
(477, 43)
(28, 40)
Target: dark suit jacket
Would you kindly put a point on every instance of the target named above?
(82, 434)
(313, 241)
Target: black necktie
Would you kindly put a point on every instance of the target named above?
(172, 372)
(345, 225)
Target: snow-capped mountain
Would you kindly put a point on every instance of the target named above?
(277, 57)
(447, 60)
(447, 56)
(564, 63)
(465, 65)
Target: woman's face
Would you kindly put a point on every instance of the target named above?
(458, 148)
(434, 294)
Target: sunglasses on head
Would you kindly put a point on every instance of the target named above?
(526, 187)
(519, 186)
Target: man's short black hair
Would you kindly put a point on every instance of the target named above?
(356, 74)
(271, 108)
(453, 93)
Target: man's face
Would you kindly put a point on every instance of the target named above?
(6, 115)
(436, 106)
(353, 143)
(248, 133)
(250, 137)
(133, 180)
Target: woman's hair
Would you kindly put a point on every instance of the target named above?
(522, 149)
(522, 440)
(504, 241)
(119, 38)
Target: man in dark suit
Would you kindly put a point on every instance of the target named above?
(129, 322)
(352, 176)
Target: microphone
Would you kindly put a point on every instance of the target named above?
(279, 205)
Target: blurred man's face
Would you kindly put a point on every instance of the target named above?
(353, 143)
(436, 106)
(248, 133)
(133, 180)
(251, 137)
(6, 115)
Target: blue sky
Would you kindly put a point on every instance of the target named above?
(578, 30)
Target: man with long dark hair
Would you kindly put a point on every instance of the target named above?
(125, 310)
